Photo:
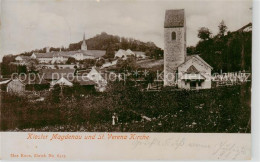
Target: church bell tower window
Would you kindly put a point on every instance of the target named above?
(173, 35)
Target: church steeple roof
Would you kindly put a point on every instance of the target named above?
(174, 18)
(84, 45)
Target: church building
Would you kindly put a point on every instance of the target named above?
(180, 70)
(52, 57)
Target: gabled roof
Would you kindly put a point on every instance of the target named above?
(49, 73)
(198, 58)
(4, 81)
(14, 80)
(192, 70)
(62, 81)
(121, 51)
(82, 80)
(174, 18)
(35, 80)
(130, 52)
(23, 57)
(84, 45)
(139, 53)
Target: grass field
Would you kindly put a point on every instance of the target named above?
(225, 109)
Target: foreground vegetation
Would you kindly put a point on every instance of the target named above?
(225, 109)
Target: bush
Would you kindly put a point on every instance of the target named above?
(225, 109)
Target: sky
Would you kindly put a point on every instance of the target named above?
(34, 24)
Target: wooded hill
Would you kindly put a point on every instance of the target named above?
(231, 52)
(110, 43)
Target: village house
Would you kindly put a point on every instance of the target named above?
(140, 55)
(96, 75)
(22, 60)
(61, 57)
(88, 84)
(59, 66)
(56, 74)
(192, 71)
(109, 64)
(128, 53)
(62, 82)
(15, 86)
(66, 77)
(36, 84)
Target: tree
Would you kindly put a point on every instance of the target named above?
(71, 60)
(21, 69)
(204, 33)
(100, 62)
(191, 50)
(56, 92)
(126, 65)
(110, 53)
(222, 28)
(32, 66)
(88, 62)
(5, 65)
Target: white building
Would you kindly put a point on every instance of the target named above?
(121, 54)
(109, 64)
(96, 76)
(62, 56)
(187, 72)
(22, 60)
(194, 73)
(128, 53)
(62, 82)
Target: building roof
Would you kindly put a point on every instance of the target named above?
(55, 74)
(187, 58)
(130, 52)
(139, 53)
(36, 80)
(23, 57)
(16, 80)
(4, 81)
(122, 52)
(82, 80)
(192, 70)
(62, 81)
(94, 53)
(174, 18)
(84, 45)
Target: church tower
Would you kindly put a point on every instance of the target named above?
(84, 45)
(174, 44)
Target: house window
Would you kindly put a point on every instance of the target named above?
(199, 84)
(173, 35)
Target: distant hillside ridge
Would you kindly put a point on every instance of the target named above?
(106, 42)
(231, 52)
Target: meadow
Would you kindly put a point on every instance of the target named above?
(222, 109)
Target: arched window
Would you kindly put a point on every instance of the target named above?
(173, 35)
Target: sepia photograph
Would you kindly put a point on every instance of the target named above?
(128, 79)
(126, 66)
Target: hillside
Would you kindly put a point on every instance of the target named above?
(229, 53)
(109, 42)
